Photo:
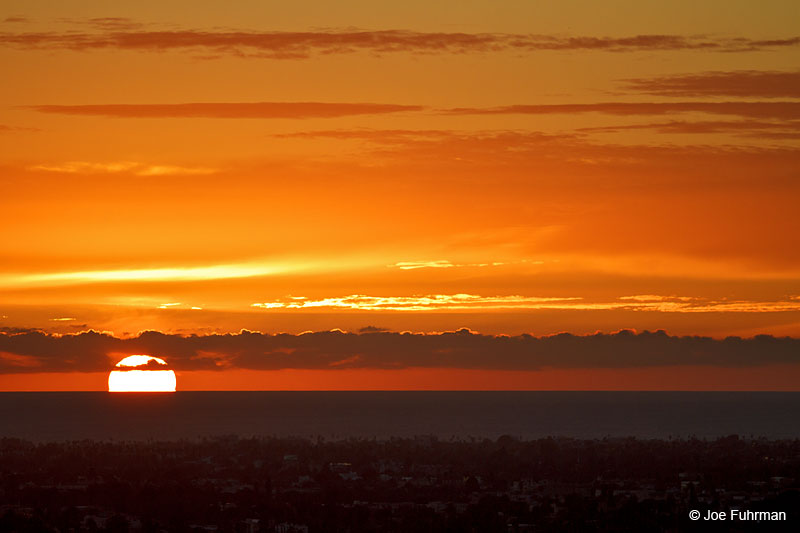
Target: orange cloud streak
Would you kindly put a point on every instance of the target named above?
(301, 45)
(228, 110)
(742, 83)
(781, 110)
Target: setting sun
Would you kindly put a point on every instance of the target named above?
(141, 373)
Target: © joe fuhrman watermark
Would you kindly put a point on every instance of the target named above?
(738, 514)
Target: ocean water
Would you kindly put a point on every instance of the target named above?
(44, 416)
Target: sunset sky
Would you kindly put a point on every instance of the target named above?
(519, 169)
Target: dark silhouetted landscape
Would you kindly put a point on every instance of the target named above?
(400, 484)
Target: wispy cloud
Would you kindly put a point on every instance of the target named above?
(109, 23)
(5, 128)
(743, 128)
(524, 152)
(172, 170)
(122, 34)
(741, 83)
(263, 110)
(439, 302)
(414, 265)
(785, 110)
(428, 302)
(657, 298)
(114, 167)
(779, 110)
(373, 135)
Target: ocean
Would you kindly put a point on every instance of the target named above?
(59, 416)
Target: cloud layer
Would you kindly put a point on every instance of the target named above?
(785, 110)
(475, 302)
(36, 351)
(118, 35)
(426, 302)
(779, 110)
(227, 110)
(789, 129)
(742, 83)
(115, 167)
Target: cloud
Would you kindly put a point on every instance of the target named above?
(742, 128)
(173, 170)
(415, 265)
(419, 143)
(16, 361)
(373, 135)
(516, 155)
(373, 329)
(452, 302)
(123, 34)
(111, 23)
(4, 128)
(264, 110)
(426, 302)
(16, 330)
(152, 364)
(785, 110)
(741, 83)
(114, 167)
(778, 110)
(95, 352)
(16, 19)
(656, 298)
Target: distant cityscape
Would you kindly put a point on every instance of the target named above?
(283, 485)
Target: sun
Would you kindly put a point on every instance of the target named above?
(142, 373)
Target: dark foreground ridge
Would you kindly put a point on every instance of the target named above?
(412, 484)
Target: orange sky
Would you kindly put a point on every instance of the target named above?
(531, 168)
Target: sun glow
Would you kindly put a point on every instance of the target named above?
(142, 373)
(151, 274)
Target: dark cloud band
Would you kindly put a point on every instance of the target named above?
(301, 45)
(743, 83)
(36, 351)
